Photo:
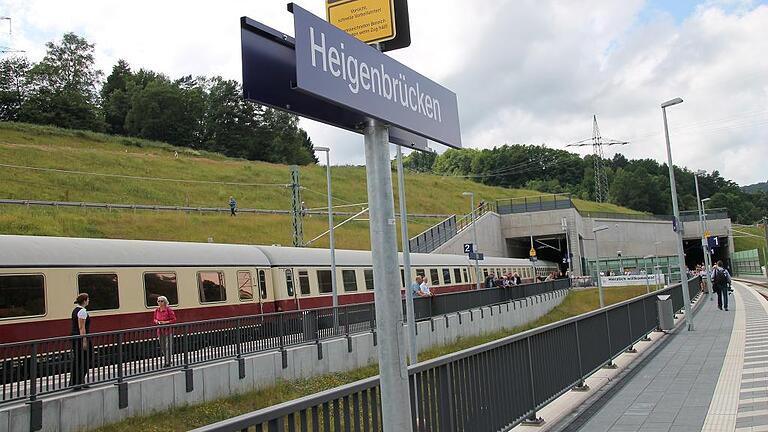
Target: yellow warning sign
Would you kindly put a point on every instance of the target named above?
(368, 20)
(707, 233)
(533, 252)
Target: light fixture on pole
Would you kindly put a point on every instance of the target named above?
(597, 263)
(680, 250)
(704, 245)
(334, 291)
(476, 248)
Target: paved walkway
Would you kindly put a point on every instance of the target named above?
(711, 379)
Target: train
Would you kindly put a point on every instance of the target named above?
(40, 277)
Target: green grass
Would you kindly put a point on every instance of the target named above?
(188, 417)
(48, 147)
(742, 243)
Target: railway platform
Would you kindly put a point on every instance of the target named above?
(712, 379)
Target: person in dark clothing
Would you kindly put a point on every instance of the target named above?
(81, 347)
(489, 280)
(721, 280)
(232, 206)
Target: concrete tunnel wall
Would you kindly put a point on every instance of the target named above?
(98, 406)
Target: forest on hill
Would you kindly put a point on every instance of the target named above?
(65, 89)
(640, 184)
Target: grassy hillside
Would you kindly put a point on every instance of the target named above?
(46, 147)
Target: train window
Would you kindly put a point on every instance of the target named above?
(245, 285)
(368, 273)
(457, 275)
(466, 275)
(160, 284)
(304, 282)
(434, 277)
(22, 295)
(210, 285)
(350, 280)
(446, 276)
(263, 284)
(324, 281)
(420, 272)
(101, 289)
(289, 282)
(485, 272)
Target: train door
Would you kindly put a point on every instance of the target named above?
(291, 285)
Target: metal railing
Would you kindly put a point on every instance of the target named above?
(712, 214)
(437, 235)
(188, 209)
(426, 307)
(490, 387)
(33, 368)
(534, 203)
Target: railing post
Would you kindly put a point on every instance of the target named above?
(281, 338)
(373, 324)
(631, 348)
(120, 369)
(346, 329)
(533, 419)
(238, 339)
(581, 386)
(239, 350)
(645, 323)
(610, 364)
(447, 408)
(33, 373)
(188, 375)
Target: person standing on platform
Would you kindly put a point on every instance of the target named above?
(165, 315)
(424, 288)
(416, 287)
(81, 348)
(721, 279)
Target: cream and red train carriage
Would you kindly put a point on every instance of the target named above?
(40, 277)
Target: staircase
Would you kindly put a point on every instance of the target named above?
(437, 235)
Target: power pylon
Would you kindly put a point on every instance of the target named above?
(597, 142)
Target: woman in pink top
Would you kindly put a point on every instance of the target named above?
(164, 315)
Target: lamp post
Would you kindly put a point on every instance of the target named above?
(680, 251)
(597, 264)
(334, 292)
(564, 224)
(704, 245)
(409, 312)
(476, 248)
(645, 263)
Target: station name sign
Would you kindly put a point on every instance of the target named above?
(334, 66)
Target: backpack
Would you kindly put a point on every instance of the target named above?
(719, 280)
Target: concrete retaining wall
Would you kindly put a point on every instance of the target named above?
(98, 406)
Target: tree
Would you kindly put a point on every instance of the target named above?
(115, 97)
(14, 86)
(65, 86)
(166, 112)
(420, 161)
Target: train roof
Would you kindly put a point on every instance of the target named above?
(39, 251)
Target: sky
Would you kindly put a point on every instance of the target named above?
(524, 71)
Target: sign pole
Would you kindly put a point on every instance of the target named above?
(412, 348)
(395, 397)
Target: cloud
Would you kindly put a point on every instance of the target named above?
(525, 71)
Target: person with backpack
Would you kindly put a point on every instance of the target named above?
(721, 280)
